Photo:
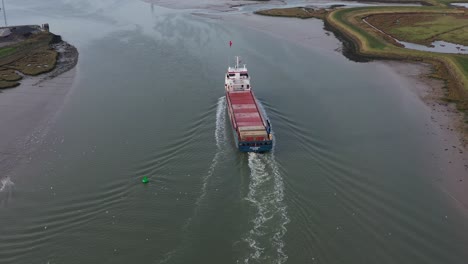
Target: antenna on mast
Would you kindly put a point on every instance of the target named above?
(4, 13)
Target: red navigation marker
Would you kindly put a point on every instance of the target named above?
(230, 43)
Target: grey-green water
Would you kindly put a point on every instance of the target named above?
(348, 181)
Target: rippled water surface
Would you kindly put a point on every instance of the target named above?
(347, 182)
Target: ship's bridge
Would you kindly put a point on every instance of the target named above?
(237, 79)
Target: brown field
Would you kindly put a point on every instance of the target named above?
(31, 56)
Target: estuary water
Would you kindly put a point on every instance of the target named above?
(350, 179)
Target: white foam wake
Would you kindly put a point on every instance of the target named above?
(6, 184)
(6, 190)
(266, 195)
(282, 210)
(220, 131)
(220, 137)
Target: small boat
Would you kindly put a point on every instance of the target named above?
(251, 128)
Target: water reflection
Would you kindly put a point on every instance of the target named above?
(437, 46)
(315, 4)
(460, 4)
(81, 22)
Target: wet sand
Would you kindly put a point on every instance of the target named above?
(26, 113)
(445, 125)
(213, 5)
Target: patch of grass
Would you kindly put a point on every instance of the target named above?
(463, 62)
(32, 56)
(459, 36)
(6, 51)
(36, 63)
(9, 75)
(298, 12)
(7, 84)
(343, 14)
(424, 28)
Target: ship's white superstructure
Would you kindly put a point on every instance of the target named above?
(237, 78)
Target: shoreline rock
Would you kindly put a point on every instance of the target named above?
(67, 59)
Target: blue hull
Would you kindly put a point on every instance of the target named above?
(258, 149)
(253, 146)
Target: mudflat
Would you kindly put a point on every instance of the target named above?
(25, 113)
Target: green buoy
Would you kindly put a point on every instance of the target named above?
(145, 180)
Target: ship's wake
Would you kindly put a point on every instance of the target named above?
(6, 189)
(220, 138)
(266, 196)
(6, 184)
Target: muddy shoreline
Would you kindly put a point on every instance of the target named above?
(452, 157)
(450, 122)
(446, 123)
(67, 59)
(29, 109)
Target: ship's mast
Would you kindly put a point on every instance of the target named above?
(237, 62)
(4, 13)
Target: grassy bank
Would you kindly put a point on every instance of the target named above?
(424, 24)
(298, 12)
(371, 43)
(424, 28)
(31, 56)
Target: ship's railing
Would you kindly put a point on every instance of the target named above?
(238, 87)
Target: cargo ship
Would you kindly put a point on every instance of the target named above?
(251, 128)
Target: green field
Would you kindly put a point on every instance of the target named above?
(342, 15)
(426, 29)
(463, 61)
(6, 51)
